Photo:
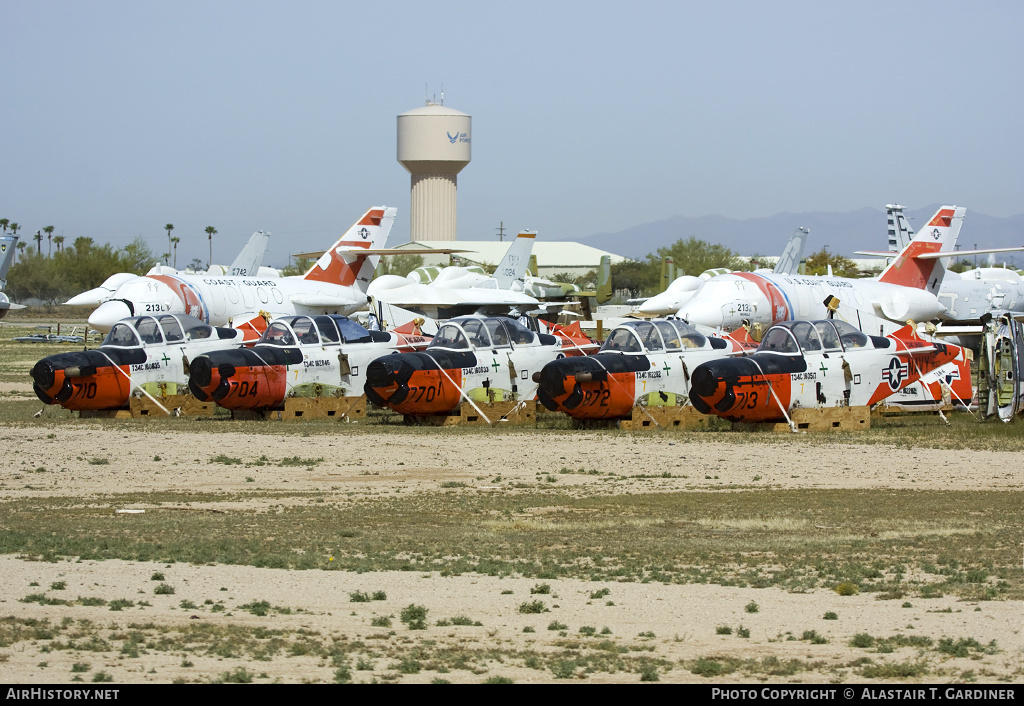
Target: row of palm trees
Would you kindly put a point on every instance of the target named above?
(172, 243)
(7, 225)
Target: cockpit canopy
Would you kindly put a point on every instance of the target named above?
(798, 337)
(314, 330)
(659, 336)
(140, 331)
(482, 332)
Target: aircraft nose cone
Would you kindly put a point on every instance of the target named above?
(704, 381)
(91, 298)
(108, 314)
(702, 313)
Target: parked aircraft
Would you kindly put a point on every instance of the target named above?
(476, 358)
(682, 289)
(969, 295)
(1000, 366)
(7, 250)
(460, 290)
(335, 284)
(814, 364)
(297, 356)
(249, 262)
(905, 290)
(641, 362)
(144, 354)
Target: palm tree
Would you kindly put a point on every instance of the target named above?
(210, 232)
(59, 240)
(4, 222)
(175, 242)
(14, 228)
(49, 240)
(22, 246)
(169, 227)
(38, 237)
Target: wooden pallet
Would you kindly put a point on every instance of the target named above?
(516, 413)
(664, 417)
(297, 409)
(104, 414)
(824, 419)
(187, 405)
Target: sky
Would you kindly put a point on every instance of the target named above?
(117, 118)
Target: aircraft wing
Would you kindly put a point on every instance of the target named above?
(938, 255)
(385, 251)
(324, 299)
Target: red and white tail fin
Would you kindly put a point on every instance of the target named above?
(343, 263)
(916, 265)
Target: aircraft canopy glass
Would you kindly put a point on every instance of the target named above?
(663, 335)
(622, 340)
(450, 336)
(812, 336)
(171, 328)
(278, 334)
(482, 332)
(123, 335)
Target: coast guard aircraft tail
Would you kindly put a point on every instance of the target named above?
(346, 262)
(919, 264)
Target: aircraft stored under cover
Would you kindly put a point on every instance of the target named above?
(641, 362)
(814, 364)
(297, 356)
(906, 289)
(141, 353)
(476, 358)
(335, 284)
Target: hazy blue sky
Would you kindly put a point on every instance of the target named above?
(119, 117)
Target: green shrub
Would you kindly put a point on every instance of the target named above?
(414, 616)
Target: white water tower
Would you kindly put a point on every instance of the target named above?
(434, 145)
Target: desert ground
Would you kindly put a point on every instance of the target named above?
(134, 552)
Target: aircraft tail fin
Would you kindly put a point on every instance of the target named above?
(532, 269)
(900, 232)
(7, 243)
(668, 272)
(343, 263)
(913, 267)
(248, 262)
(513, 266)
(604, 280)
(789, 262)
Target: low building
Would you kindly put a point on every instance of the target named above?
(553, 257)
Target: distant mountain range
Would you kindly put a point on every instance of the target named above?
(843, 233)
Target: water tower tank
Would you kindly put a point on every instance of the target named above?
(434, 145)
